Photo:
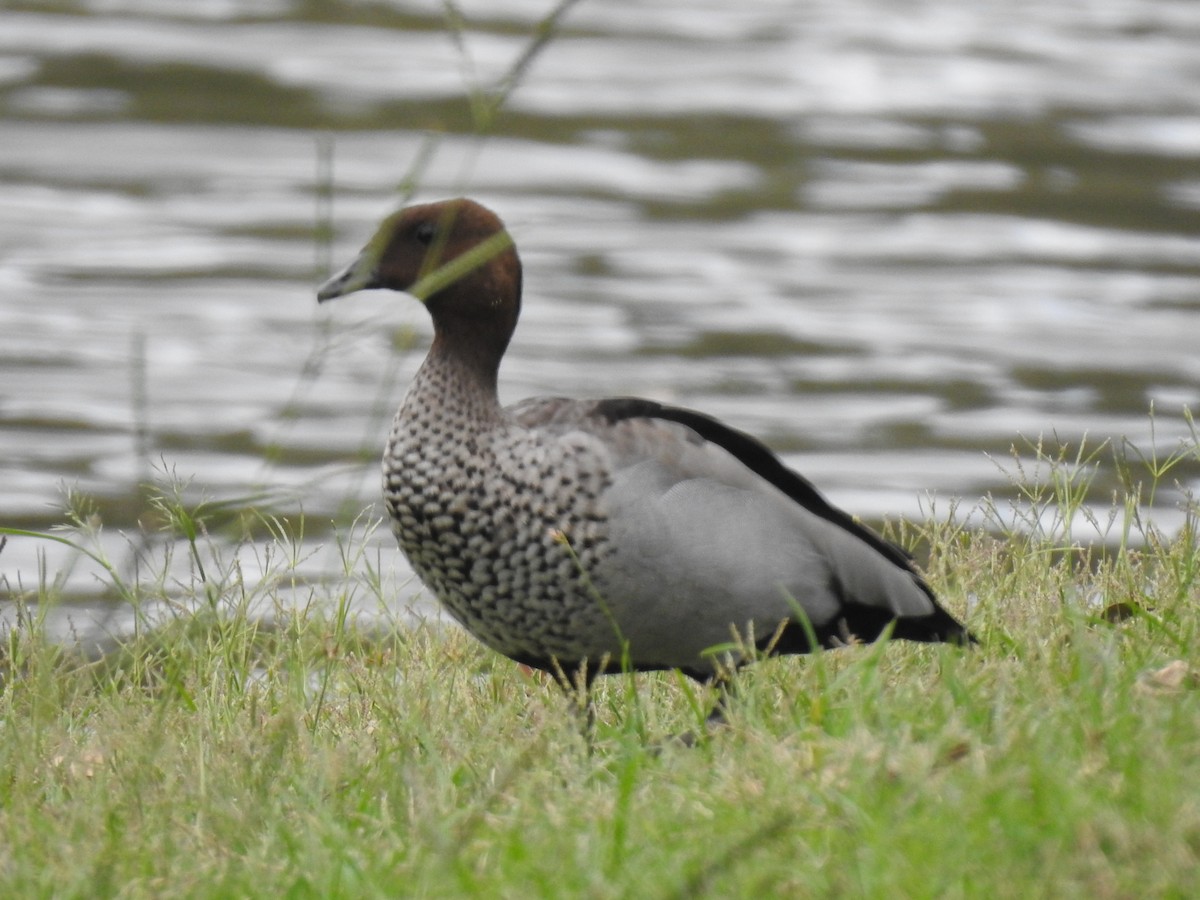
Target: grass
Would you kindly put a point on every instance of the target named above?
(245, 745)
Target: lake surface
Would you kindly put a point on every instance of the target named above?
(893, 240)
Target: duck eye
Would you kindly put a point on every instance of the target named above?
(424, 233)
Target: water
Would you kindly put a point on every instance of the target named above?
(894, 240)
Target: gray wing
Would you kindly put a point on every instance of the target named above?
(711, 532)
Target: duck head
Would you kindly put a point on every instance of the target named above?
(456, 257)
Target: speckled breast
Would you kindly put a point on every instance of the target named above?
(507, 531)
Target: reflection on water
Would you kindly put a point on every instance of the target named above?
(890, 240)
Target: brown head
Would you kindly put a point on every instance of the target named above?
(455, 257)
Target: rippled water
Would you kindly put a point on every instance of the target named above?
(892, 239)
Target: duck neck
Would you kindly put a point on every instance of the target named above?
(459, 380)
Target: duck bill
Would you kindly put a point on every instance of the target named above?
(360, 275)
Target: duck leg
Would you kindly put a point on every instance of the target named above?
(576, 683)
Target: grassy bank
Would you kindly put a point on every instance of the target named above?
(222, 753)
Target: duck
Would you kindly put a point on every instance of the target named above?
(583, 537)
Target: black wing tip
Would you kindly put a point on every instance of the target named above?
(938, 628)
(959, 636)
(867, 624)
